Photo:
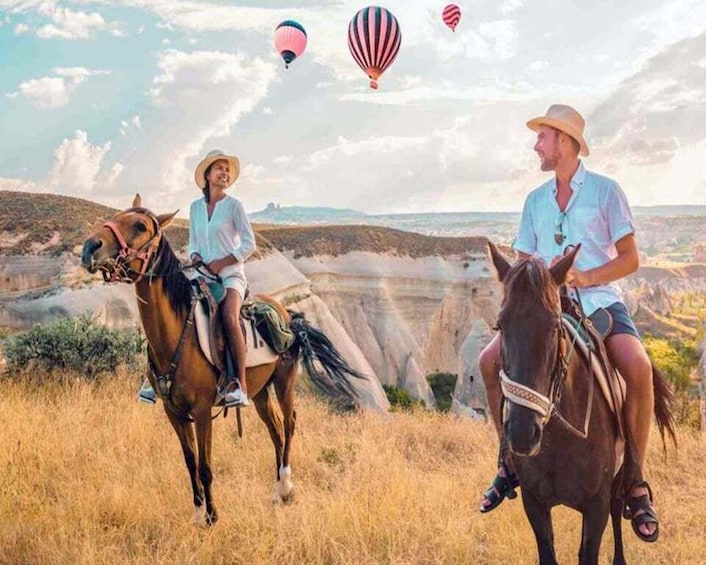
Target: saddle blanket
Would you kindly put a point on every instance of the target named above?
(259, 353)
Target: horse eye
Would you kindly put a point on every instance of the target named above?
(141, 227)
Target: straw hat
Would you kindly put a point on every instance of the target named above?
(211, 157)
(566, 119)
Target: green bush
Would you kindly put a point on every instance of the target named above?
(400, 399)
(79, 345)
(674, 359)
(442, 385)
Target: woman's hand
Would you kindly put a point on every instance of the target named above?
(216, 266)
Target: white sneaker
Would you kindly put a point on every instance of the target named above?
(236, 398)
(147, 394)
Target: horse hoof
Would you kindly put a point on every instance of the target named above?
(289, 497)
(199, 515)
(211, 518)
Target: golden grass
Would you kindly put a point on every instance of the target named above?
(88, 475)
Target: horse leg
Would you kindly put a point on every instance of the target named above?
(595, 518)
(185, 432)
(616, 510)
(540, 518)
(204, 429)
(284, 387)
(267, 410)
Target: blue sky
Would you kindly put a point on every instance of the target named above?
(103, 98)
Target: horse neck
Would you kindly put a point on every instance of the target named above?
(162, 323)
(574, 398)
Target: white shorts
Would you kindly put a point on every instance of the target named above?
(233, 277)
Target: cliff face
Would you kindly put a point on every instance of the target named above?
(398, 308)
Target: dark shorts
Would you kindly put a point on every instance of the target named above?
(622, 322)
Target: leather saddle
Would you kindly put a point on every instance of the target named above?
(211, 333)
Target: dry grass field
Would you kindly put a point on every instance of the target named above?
(89, 475)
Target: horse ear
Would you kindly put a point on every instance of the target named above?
(166, 219)
(502, 265)
(137, 203)
(562, 267)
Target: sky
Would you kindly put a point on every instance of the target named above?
(101, 99)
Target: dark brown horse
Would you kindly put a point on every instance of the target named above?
(132, 249)
(559, 428)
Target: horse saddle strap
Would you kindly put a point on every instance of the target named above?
(612, 378)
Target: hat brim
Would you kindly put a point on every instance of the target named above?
(535, 124)
(233, 165)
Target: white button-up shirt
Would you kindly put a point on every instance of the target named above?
(228, 232)
(597, 216)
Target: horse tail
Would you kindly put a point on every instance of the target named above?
(331, 378)
(664, 402)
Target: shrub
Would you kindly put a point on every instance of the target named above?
(442, 385)
(675, 360)
(400, 399)
(79, 345)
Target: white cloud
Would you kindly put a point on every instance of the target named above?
(129, 127)
(199, 97)
(67, 24)
(54, 91)
(77, 164)
(45, 92)
(509, 6)
(21, 28)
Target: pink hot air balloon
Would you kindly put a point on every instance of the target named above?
(290, 40)
(374, 39)
(451, 16)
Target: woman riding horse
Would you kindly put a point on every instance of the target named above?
(132, 249)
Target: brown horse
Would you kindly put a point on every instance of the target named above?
(559, 428)
(132, 249)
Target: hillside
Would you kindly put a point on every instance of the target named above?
(339, 240)
(50, 224)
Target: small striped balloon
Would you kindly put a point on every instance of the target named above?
(290, 40)
(451, 16)
(374, 40)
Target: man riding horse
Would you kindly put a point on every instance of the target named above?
(578, 206)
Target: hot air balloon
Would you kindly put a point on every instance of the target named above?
(374, 39)
(290, 40)
(451, 16)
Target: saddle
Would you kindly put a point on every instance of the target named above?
(211, 333)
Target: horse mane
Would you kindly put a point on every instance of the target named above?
(527, 282)
(176, 284)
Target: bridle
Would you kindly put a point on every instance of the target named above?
(548, 406)
(122, 270)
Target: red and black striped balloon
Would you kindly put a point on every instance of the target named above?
(374, 39)
(451, 16)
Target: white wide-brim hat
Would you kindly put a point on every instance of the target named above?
(212, 157)
(566, 119)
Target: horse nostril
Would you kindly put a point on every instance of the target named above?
(89, 248)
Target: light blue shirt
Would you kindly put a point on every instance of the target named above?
(597, 216)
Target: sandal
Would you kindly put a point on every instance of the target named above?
(501, 488)
(633, 504)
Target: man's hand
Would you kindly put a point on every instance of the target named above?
(577, 279)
